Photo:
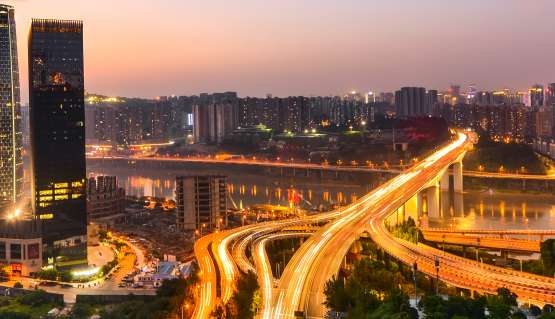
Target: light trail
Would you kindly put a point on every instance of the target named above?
(313, 260)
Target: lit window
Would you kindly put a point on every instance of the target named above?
(74, 196)
(45, 198)
(61, 185)
(77, 184)
(44, 204)
(45, 192)
(61, 197)
(61, 191)
(46, 216)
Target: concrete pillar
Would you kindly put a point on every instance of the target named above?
(458, 177)
(432, 195)
(444, 183)
(419, 204)
(424, 222)
(458, 202)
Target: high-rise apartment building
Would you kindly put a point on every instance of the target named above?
(412, 101)
(11, 164)
(536, 96)
(57, 125)
(550, 95)
(215, 117)
(201, 202)
(105, 200)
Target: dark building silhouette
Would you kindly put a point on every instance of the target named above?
(57, 117)
(414, 101)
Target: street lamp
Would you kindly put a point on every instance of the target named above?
(414, 270)
(436, 262)
(187, 310)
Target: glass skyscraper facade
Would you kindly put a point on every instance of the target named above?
(11, 164)
(57, 127)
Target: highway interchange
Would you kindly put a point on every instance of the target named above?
(300, 289)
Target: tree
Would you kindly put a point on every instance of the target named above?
(519, 315)
(433, 307)
(547, 308)
(35, 298)
(81, 311)
(501, 305)
(14, 315)
(336, 297)
(244, 300)
(547, 250)
(18, 285)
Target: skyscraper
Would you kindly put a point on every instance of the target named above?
(57, 117)
(11, 164)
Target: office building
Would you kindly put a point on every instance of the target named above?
(201, 202)
(105, 201)
(57, 125)
(11, 138)
(20, 246)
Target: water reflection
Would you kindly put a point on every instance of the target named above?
(243, 190)
(484, 210)
(488, 210)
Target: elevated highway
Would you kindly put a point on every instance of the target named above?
(497, 243)
(319, 258)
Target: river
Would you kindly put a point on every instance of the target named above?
(479, 209)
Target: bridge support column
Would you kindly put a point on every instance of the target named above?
(458, 202)
(419, 204)
(432, 195)
(444, 183)
(458, 177)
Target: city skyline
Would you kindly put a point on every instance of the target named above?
(306, 49)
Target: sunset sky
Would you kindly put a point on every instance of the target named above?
(302, 47)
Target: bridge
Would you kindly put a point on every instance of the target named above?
(304, 167)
